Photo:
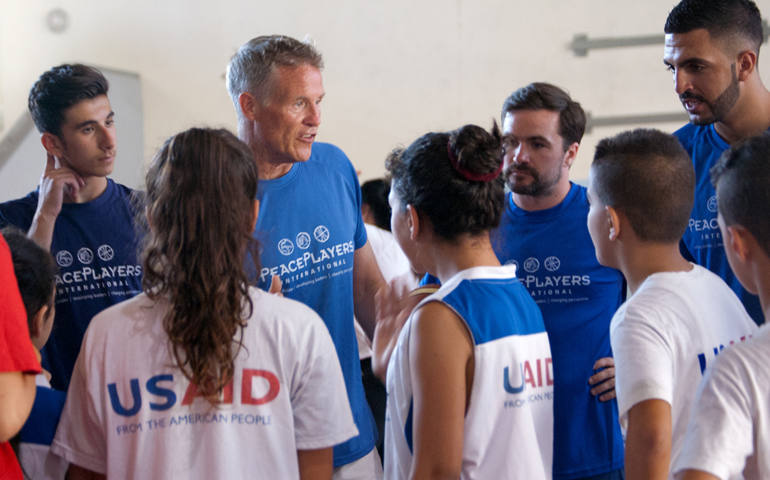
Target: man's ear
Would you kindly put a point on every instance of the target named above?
(613, 218)
(571, 154)
(249, 105)
(739, 240)
(38, 321)
(413, 222)
(746, 64)
(52, 144)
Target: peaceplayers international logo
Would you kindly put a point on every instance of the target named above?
(321, 233)
(552, 264)
(85, 255)
(712, 204)
(105, 253)
(64, 258)
(303, 240)
(286, 247)
(531, 265)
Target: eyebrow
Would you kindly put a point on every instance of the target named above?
(92, 122)
(539, 138)
(687, 61)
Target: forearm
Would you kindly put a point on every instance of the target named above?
(382, 349)
(41, 230)
(367, 281)
(364, 306)
(17, 394)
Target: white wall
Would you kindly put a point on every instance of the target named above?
(394, 70)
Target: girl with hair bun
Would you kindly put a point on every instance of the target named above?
(202, 375)
(469, 378)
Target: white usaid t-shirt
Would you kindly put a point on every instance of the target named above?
(730, 424)
(665, 336)
(130, 413)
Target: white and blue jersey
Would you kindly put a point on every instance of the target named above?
(36, 435)
(95, 245)
(309, 228)
(508, 430)
(702, 241)
(577, 296)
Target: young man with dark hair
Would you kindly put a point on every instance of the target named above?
(81, 216)
(679, 315)
(543, 232)
(729, 431)
(712, 50)
(309, 223)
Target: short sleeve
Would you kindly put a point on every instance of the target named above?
(360, 237)
(643, 359)
(319, 401)
(720, 435)
(17, 354)
(80, 437)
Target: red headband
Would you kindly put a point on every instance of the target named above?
(474, 177)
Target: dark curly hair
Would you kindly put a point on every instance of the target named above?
(425, 177)
(201, 188)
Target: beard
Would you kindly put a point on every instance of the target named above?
(721, 106)
(538, 187)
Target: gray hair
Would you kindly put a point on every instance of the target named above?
(250, 68)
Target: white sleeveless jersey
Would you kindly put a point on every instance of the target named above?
(508, 430)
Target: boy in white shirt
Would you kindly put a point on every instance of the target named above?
(679, 315)
(729, 431)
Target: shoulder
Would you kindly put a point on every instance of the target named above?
(127, 194)
(328, 150)
(123, 318)
(653, 306)
(278, 313)
(437, 328)
(330, 157)
(19, 212)
(688, 134)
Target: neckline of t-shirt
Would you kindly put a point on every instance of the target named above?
(694, 271)
(105, 197)
(717, 139)
(283, 180)
(484, 272)
(548, 213)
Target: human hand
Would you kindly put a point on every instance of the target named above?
(57, 184)
(603, 380)
(275, 286)
(394, 303)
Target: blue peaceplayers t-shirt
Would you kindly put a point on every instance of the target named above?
(309, 228)
(555, 260)
(95, 247)
(702, 241)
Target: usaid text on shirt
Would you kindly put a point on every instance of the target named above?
(249, 388)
